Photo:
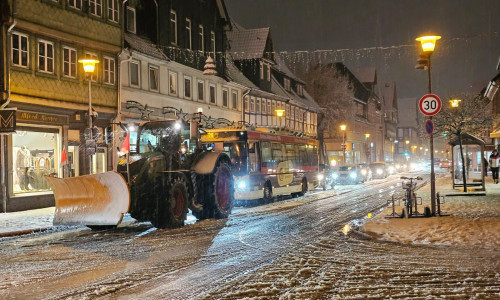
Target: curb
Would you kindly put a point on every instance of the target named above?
(23, 232)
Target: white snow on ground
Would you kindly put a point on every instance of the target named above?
(473, 221)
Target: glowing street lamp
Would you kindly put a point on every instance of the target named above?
(455, 102)
(343, 127)
(280, 113)
(428, 44)
(89, 67)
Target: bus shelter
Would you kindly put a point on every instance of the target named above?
(474, 161)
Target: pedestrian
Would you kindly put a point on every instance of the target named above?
(494, 163)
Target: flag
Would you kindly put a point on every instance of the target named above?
(64, 158)
(125, 146)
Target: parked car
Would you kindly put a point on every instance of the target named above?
(444, 163)
(349, 174)
(366, 172)
(379, 169)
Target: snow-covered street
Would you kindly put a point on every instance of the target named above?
(291, 249)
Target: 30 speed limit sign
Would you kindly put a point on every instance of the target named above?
(429, 104)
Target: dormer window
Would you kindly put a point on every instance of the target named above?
(300, 90)
(130, 20)
(286, 84)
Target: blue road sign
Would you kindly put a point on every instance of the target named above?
(429, 127)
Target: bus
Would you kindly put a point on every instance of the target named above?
(266, 164)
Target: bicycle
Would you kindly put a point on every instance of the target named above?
(410, 196)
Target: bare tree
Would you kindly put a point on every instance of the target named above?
(333, 92)
(472, 116)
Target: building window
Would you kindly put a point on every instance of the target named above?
(95, 7)
(130, 19)
(212, 42)
(300, 89)
(245, 102)
(269, 111)
(153, 78)
(76, 4)
(252, 104)
(134, 73)
(69, 62)
(187, 87)
(263, 109)
(225, 98)
(262, 70)
(257, 106)
(109, 70)
(235, 99)
(201, 91)
(45, 57)
(287, 84)
(19, 50)
(173, 27)
(189, 43)
(113, 10)
(201, 38)
(172, 83)
(213, 98)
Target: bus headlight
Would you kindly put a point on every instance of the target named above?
(380, 171)
(241, 184)
(353, 175)
(363, 172)
(321, 177)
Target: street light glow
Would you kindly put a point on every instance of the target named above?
(88, 64)
(280, 113)
(343, 127)
(428, 42)
(455, 102)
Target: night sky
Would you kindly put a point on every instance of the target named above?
(381, 34)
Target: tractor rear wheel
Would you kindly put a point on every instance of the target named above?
(222, 191)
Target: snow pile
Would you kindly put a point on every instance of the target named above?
(473, 221)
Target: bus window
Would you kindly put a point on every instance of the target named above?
(277, 154)
(303, 156)
(266, 156)
(253, 150)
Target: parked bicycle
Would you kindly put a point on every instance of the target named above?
(410, 196)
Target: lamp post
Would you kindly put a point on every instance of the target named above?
(368, 147)
(428, 44)
(89, 67)
(343, 127)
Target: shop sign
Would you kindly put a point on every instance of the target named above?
(26, 116)
(8, 120)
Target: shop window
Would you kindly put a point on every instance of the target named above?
(35, 154)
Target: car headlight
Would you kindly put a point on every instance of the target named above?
(321, 176)
(241, 184)
(353, 175)
(363, 172)
(391, 169)
(335, 175)
(380, 171)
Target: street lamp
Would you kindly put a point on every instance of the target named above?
(455, 102)
(280, 113)
(89, 67)
(343, 127)
(428, 44)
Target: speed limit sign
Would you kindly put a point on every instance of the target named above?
(429, 104)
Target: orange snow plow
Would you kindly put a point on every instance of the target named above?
(91, 200)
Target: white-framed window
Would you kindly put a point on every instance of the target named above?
(45, 56)
(113, 11)
(300, 90)
(201, 91)
(213, 95)
(69, 62)
(109, 70)
(201, 38)
(257, 106)
(134, 73)
(76, 4)
(225, 97)
(130, 19)
(20, 49)
(154, 78)
(286, 84)
(247, 106)
(189, 41)
(252, 104)
(173, 27)
(262, 70)
(212, 42)
(269, 111)
(187, 87)
(263, 109)
(172, 83)
(91, 55)
(234, 99)
(95, 7)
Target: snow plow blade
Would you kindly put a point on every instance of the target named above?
(95, 200)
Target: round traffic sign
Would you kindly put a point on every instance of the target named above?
(429, 104)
